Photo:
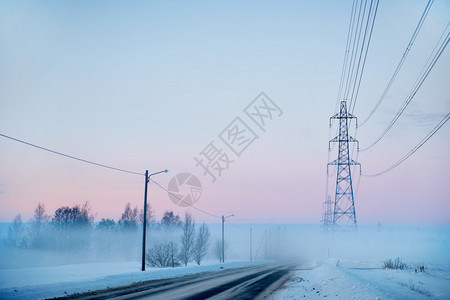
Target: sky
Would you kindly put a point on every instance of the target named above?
(148, 85)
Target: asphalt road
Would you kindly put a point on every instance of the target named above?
(255, 282)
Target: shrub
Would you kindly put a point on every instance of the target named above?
(397, 264)
(420, 268)
(163, 255)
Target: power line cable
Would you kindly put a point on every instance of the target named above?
(72, 157)
(355, 95)
(104, 166)
(417, 147)
(402, 60)
(235, 225)
(346, 53)
(357, 33)
(420, 80)
(365, 24)
(190, 205)
(359, 36)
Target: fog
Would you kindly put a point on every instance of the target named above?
(308, 243)
(301, 243)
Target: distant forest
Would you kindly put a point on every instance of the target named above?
(174, 241)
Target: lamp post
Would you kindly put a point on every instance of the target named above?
(223, 236)
(144, 222)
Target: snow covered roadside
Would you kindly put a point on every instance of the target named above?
(352, 280)
(46, 282)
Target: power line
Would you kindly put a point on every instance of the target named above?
(72, 157)
(417, 147)
(358, 40)
(346, 53)
(402, 60)
(358, 29)
(420, 80)
(196, 208)
(360, 49)
(103, 166)
(235, 225)
(190, 205)
(408, 48)
(359, 35)
(355, 95)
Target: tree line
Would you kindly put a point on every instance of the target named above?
(175, 241)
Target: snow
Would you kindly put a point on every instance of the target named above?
(365, 280)
(58, 281)
(36, 274)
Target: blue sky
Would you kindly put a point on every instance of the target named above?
(148, 84)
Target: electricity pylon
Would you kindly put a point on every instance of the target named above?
(327, 216)
(344, 201)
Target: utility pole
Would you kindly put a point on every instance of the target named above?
(251, 252)
(223, 236)
(344, 201)
(144, 222)
(223, 239)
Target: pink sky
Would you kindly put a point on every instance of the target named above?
(151, 91)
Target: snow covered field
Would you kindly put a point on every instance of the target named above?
(329, 279)
(342, 265)
(349, 265)
(358, 280)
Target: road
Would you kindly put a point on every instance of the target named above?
(256, 282)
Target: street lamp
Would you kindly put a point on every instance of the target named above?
(223, 236)
(147, 179)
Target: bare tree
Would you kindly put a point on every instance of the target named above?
(107, 225)
(72, 225)
(187, 238)
(40, 217)
(150, 215)
(75, 217)
(129, 217)
(218, 249)
(16, 235)
(163, 255)
(39, 221)
(173, 250)
(201, 243)
(170, 219)
(87, 216)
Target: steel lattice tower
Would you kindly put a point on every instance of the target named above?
(327, 217)
(344, 201)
